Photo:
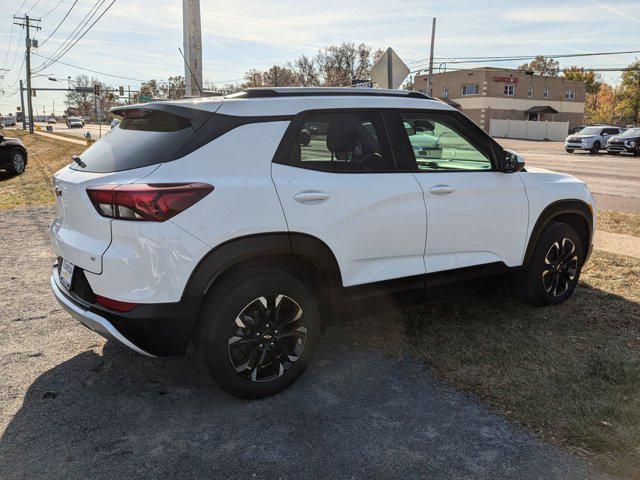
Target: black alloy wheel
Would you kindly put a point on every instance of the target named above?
(561, 267)
(257, 332)
(17, 162)
(267, 338)
(553, 271)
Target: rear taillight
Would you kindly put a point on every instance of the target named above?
(154, 202)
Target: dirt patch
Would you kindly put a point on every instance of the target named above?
(619, 222)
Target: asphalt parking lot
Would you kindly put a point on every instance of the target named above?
(72, 406)
(614, 180)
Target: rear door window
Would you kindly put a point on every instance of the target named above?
(342, 142)
(145, 137)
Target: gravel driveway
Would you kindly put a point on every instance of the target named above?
(72, 406)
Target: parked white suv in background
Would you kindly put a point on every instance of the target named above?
(245, 224)
(592, 138)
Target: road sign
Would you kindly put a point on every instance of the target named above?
(144, 98)
(390, 71)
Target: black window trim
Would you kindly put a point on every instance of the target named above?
(282, 154)
(476, 136)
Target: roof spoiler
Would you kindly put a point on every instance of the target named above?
(129, 111)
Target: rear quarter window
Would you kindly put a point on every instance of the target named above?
(144, 137)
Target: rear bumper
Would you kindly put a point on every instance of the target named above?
(150, 329)
(89, 319)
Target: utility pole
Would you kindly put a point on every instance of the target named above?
(26, 22)
(24, 114)
(433, 37)
(192, 43)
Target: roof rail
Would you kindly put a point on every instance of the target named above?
(325, 91)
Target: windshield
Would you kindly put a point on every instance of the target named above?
(632, 132)
(590, 131)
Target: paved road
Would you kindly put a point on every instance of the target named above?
(73, 407)
(615, 180)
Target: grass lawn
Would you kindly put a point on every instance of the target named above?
(618, 222)
(33, 187)
(570, 374)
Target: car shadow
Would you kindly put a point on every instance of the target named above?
(356, 413)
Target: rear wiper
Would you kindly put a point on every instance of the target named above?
(77, 159)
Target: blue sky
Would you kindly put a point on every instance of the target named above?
(140, 39)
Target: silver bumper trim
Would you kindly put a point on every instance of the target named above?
(92, 321)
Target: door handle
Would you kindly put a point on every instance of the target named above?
(311, 197)
(442, 189)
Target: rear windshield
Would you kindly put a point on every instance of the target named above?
(144, 137)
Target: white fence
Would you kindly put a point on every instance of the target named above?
(524, 129)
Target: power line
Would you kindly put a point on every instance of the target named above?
(88, 69)
(76, 31)
(59, 24)
(81, 36)
(57, 5)
(518, 57)
(33, 6)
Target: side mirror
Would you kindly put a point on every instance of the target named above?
(511, 162)
(605, 134)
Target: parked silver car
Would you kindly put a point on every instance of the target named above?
(592, 139)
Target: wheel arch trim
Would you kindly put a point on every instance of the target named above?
(554, 210)
(230, 253)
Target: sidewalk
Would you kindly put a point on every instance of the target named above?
(79, 141)
(617, 243)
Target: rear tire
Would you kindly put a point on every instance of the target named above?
(555, 265)
(257, 333)
(17, 162)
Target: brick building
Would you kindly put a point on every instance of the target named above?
(485, 93)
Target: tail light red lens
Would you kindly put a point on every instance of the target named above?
(154, 202)
(115, 304)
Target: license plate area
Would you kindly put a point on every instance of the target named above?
(66, 274)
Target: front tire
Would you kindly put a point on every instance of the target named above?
(17, 162)
(555, 265)
(613, 153)
(595, 148)
(569, 150)
(258, 333)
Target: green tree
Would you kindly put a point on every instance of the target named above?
(591, 79)
(542, 66)
(629, 100)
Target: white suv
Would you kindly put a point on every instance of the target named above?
(245, 224)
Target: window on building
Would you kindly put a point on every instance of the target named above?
(570, 95)
(445, 92)
(530, 91)
(341, 142)
(510, 90)
(470, 89)
(545, 93)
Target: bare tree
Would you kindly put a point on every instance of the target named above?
(173, 88)
(542, 66)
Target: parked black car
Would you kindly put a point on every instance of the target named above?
(626, 142)
(13, 155)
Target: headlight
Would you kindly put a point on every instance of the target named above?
(630, 143)
(585, 140)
